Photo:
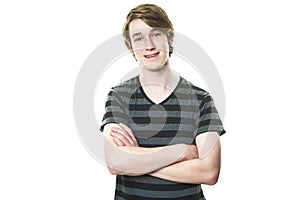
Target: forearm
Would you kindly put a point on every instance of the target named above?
(131, 160)
(194, 171)
(124, 156)
(203, 170)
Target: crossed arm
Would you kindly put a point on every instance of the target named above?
(182, 163)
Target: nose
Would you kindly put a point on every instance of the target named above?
(149, 45)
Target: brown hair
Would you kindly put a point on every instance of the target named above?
(153, 16)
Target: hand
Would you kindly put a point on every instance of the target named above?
(123, 136)
(190, 153)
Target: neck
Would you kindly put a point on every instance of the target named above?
(164, 77)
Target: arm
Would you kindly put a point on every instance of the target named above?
(202, 170)
(134, 160)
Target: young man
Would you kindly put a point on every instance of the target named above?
(162, 132)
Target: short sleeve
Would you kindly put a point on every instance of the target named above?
(114, 110)
(208, 118)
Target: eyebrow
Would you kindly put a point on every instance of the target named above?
(136, 34)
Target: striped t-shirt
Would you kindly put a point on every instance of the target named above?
(187, 112)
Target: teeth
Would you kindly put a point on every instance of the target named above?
(152, 55)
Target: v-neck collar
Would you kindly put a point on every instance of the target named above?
(163, 101)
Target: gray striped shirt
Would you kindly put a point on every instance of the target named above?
(187, 112)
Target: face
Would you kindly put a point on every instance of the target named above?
(150, 45)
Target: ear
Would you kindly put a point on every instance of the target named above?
(171, 47)
(170, 36)
(171, 40)
(131, 51)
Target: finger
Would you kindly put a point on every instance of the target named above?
(129, 131)
(118, 142)
(122, 134)
(196, 155)
(125, 134)
(121, 137)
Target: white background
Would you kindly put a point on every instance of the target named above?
(254, 44)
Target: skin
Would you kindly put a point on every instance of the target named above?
(148, 41)
(182, 163)
(125, 157)
(202, 169)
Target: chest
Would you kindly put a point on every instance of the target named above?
(170, 122)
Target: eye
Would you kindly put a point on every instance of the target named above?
(156, 35)
(138, 39)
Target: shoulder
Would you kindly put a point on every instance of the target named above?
(130, 83)
(200, 93)
(126, 88)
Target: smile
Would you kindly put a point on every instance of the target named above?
(151, 55)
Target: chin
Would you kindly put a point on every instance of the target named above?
(151, 66)
(154, 66)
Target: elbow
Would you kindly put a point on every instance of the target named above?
(212, 177)
(119, 167)
(114, 171)
(113, 164)
(113, 167)
(209, 176)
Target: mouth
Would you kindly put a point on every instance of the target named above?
(151, 55)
